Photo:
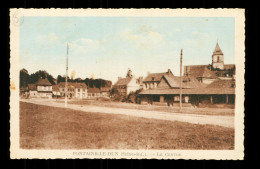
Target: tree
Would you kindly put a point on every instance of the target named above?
(24, 78)
(60, 79)
(34, 77)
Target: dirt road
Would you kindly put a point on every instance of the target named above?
(225, 121)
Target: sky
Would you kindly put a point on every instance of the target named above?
(105, 47)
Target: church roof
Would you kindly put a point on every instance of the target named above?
(217, 50)
(202, 71)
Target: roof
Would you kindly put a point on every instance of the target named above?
(230, 66)
(217, 50)
(32, 87)
(187, 82)
(73, 84)
(222, 84)
(156, 76)
(105, 89)
(55, 88)
(43, 82)
(189, 91)
(93, 90)
(123, 81)
(201, 71)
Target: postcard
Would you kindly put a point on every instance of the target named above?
(127, 83)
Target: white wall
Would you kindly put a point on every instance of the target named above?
(132, 86)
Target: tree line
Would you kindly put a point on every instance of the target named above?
(26, 78)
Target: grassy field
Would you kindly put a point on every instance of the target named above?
(187, 110)
(43, 127)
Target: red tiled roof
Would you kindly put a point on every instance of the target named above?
(123, 81)
(93, 90)
(188, 91)
(43, 82)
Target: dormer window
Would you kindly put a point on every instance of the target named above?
(152, 78)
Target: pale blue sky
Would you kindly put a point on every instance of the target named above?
(108, 46)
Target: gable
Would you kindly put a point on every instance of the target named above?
(163, 84)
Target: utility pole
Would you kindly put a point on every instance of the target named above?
(181, 82)
(66, 79)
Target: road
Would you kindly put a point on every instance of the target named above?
(224, 121)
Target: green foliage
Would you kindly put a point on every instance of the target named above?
(24, 78)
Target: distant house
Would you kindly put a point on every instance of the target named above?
(126, 85)
(44, 88)
(41, 89)
(105, 91)
(94, 92)
(152, 79)
(75, 90)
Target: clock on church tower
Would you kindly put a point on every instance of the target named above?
(218, 58)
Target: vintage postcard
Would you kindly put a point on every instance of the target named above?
(127, 83)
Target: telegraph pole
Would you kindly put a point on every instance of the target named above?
(66, 79)
(181, 81)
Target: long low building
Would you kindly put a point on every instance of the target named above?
(193, 92)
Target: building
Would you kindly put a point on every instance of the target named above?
(41, 89)
(212, 84)
(32, 88)
(126, 85)
(94, 92)
(216, 70)
(56, 91)
(105, 91)
(153, 79)
(193, 92)
(75, 90)
(44, 88)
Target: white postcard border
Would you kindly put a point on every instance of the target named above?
(236, 154)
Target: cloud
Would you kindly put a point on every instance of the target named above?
(143, 38)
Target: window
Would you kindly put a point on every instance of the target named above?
(152, 78)
(176, 98)
(78, 90)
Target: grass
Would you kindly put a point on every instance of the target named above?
(187, 110)
(44, 127)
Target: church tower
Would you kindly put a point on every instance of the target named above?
(218, 58)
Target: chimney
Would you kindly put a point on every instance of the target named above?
(169, 71)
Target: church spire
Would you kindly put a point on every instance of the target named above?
(217, 50)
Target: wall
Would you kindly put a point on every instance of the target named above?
(132, 86)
